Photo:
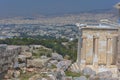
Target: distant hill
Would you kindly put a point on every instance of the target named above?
(89, 17)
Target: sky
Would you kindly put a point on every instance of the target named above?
(10, 8)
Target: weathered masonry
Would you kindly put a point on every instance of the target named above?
(99, 46)
(118, 61)
(8, 56)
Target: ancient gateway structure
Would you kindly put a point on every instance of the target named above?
(97, 48)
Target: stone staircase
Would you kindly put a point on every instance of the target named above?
(75, 67)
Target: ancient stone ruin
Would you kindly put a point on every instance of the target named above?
(98, 49)
(8, 57)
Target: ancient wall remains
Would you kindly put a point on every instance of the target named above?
(8, 55)
(99, 45)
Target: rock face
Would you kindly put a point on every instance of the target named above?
(64, 64)
(80, 78)
(88, 71)
(57, 56)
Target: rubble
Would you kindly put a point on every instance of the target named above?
(60, 74)
(35, 77)
(80, 78)
(43, 57)
(57, 56)
(36, 62)
(52, 68)
(102, 78)
(105, 74)
(30, 69)
(68, 78)
(27, 54)
(63, 64)
(8, 56)
(16, 74)
(21, 58)
(53, 61)
(88, 71)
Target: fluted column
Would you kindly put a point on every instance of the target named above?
(83, 54)
(79, 46)
(109, 51)
(95, 50)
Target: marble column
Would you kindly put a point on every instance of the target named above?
(95, 51)
(83, 55)
(79, 46)
(109, 51)
(114, 49)
(79, 51)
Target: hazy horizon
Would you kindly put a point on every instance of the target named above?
(11, 8)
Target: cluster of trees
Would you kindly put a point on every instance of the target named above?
(56, 45)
